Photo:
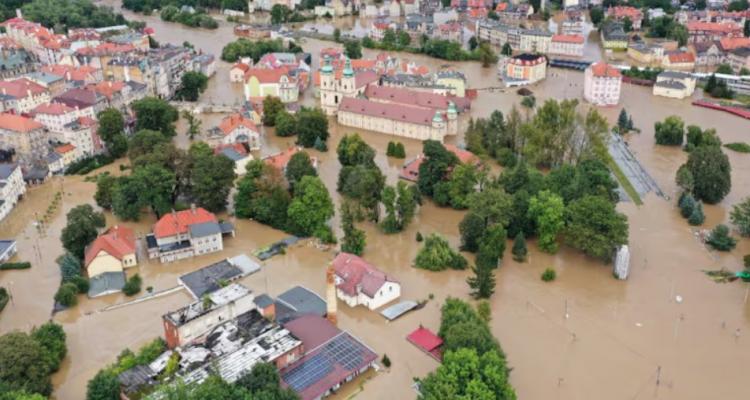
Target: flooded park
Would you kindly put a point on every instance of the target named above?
(668, 332)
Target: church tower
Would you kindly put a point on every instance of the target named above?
(329, 97)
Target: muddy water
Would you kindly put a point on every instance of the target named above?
(612, 344)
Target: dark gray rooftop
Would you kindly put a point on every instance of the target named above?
(674, 75)
(204, 229)
(106, 283)
(136, 378)
(263, 300)
(298, 301)
(6, 170)
(670, 84)
(208, 279)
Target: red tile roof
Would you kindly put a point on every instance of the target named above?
(242, 66)
(681, 57)
(65, 148)
(52, 109)
(312, 330)
(178, 222)
(396, 112)
(20, 88)
(719, 27)
(266, 75)
(427, 341)
(118, 242)
(17, 123)
(625, 11)
(69, 72)
(568, 38)
(357, 274)
(400, 95)
(107, 88)
(604, 70)
(410, 170)
(232, 122)
(280, 160)
(734, 43)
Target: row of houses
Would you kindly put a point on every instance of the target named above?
(282, 75)
(530, 40)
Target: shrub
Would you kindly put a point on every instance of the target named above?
(4, 297)
(67, 295)
(506, 157)
(437, 255)
(720, 240)
(549, 275)
(386, 361)
(82, 284)
(419, 237)
(519, 249)
(686, 204)
(16, 265)
(133, 285)
(740, 147)
(697, 217)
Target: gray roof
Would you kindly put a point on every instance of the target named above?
(674, 75)
(226, 227)
(7, 169)
(670, 84)
(204, 229)
(36, 173)
(399, 309)
(209, 279)
(45, 77)
(106, 283)
(52, 157)
(298, 301)
(263, 300)
(232, 154)
(5, 245)
(133, 379)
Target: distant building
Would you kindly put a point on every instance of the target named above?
(27, 137)
(360, 283)
(276, 82)
(646, 54)
(676, 85)
(12, 188)
(238, 70)
(454, 80)
(739, 59)
(525, 68)
(679, 60)
(213, 277)
(613, 36)
(601, 85)
(26, 93)
(567, 45)
(708, 55)
(699, 31)
(183, 234)
(238, 154)
(189, 323)
(620, 13)
(334, 87)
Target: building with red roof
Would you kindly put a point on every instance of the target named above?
(236, 128)
(567, 45)
(427, 341)
(679, 60)
(619, 13)
(360, 283)
(106, 258)
(182, 234)
(238, 70)
(410, 170)
(24, 135)
(699, 31)
(332, 358)
(602, 83)
(26, 93)
(281, 159)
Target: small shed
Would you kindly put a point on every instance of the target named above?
(427, 341)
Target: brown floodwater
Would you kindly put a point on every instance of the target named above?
(618, 338)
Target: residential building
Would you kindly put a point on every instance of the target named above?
(107, 257)
(679, 60)
(83, 99)
(53, 83)
(360, 283)
(81, 133)
(213, 277)
(54, 116)
(452, 31)
(676, 85)
(238, 70)
(54, 163)
(567, 45)
(193, 321)
(620, 13)
(708, 31)
(74, 76)
(534, 41)
(24, 135)
(708, 55)
(236, 128)
(238, 154)
(454, 80)
(739, 59)
(68, 153)
(253, 32)
(12, 188)
(613, 36)
(645, 53)
(187, 233)
(277, 82)
(525, 69)
(281, 159)
(26, 93)
(204, 63)
(601, 85)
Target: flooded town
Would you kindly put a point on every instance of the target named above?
(191, 199)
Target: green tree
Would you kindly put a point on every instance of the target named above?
(684, 178)
(472, 229)
(126, 198)
(158, 184)
(280, 14)
(697, 137)
(337, 35)
(687, 204)
(298, 167)
(23, 364)
(272, 106)
(711, 173)
(353, 150)
(435, 166)
(354, 240)
(389, 39)
(482, 282)
(597, 15)
(191, 86)
(286, 124)
(403, 38)
(194, 124)
(720, 240)
(144, 142)
(212, 179)
(697, 217)
(437, 255)
(595, 227)
(506, 50)
(364, 185)
(70, 267)
(670, 132)
(104, 185)
(519, 250)
(353, 49)
(547, 210)
(310, 208)
(312, 124)
(155, 114)
(111, 130)
(52, 338)
(493, 205)
(67, 295)
(81, 228)
(400, 205)
(133, 285)
(740, 216)
(737, 5)
(473, 43)
(486, 55)
(262, 195)
(457, 190)
(623, 122)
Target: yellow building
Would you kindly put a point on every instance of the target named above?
(113, 251)
(454, 80)
(276, 82)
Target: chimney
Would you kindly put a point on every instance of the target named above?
(331, 295)
(192, 208)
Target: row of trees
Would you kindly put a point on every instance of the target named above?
(146, 6)
(438, 48)
(310, 125)
(255, 49)
(196, 19)
(28, 360)
(281, 14)
(474, 364)
(62, 15)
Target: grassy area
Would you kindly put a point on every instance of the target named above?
(740, 147)
(624, 182)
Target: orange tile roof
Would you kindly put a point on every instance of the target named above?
(232, 122)
(625, 11)
(65, 148)
(723, 27)
(117, 241)
(17, 123)
(108, 88)
(244, 67)
(266, 75)
(178, 222)
(70, 72)
(602, 70)
(568, 38)
(280, 160)
(734, 43)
